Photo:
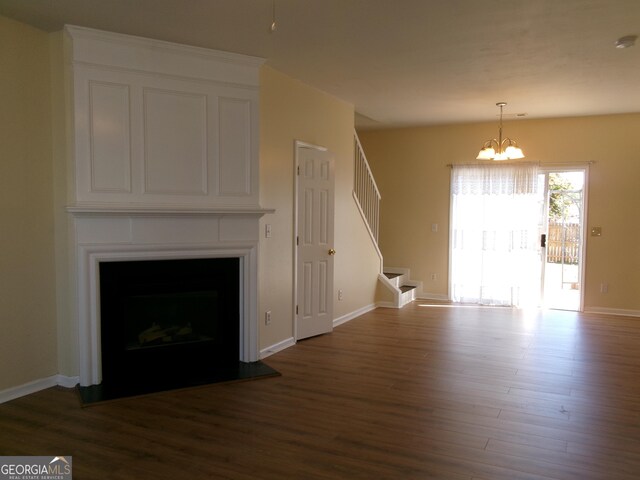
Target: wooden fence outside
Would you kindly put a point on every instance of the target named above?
(563, 243)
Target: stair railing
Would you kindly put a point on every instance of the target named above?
(365, 191)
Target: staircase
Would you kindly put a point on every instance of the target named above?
(398, 283)
(367, 197)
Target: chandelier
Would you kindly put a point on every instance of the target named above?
(502, 148)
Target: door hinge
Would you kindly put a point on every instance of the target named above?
(297, 241)
(296, 309)
(298, 169)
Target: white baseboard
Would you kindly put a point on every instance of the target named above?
(613, 311)
(67, 382)
(352, 315)
(387, 305)
(433, 296)
(265, 352)
(37, 385)
(289, 342)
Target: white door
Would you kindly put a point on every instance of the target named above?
(314, 239)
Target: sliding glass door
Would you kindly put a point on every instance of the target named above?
(517, 235)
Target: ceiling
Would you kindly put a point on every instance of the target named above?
(402, 62)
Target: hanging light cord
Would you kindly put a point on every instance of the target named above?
(273, 17)
(501, 105)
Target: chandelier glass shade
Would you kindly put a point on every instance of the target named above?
(500, 148)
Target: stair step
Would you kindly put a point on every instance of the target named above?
(404, 290)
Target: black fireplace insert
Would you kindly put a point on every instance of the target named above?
(168, 321)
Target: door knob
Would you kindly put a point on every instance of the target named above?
(332, 251)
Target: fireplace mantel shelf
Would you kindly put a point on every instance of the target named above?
(163, 210)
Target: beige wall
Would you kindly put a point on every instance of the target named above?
(410, 168)
(27, 276)
(293, 111)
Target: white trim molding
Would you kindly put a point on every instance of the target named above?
(117, 51)
(613, 311)
(356, 313)
(91, 210)
(289, 342)
(67, 382)
(433, 296)
(277, 347)
(37, 385)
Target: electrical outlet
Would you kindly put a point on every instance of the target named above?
(340, 294)
(267, 317)
(434, 276)
(267, 230)
(604, 288)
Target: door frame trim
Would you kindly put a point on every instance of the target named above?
(297, 145)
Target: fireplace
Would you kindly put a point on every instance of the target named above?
(133, 268)
(173, 177)
(167, 323)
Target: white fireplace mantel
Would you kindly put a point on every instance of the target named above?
(106, 237)
(162, 211)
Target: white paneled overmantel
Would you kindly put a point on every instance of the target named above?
(164, 165)
(160, 123)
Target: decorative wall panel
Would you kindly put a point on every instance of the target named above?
(175, 143)
(235, 147)
(110, 137)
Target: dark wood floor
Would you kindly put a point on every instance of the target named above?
(456, 393)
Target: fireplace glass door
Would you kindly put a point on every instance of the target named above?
(164, 321)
